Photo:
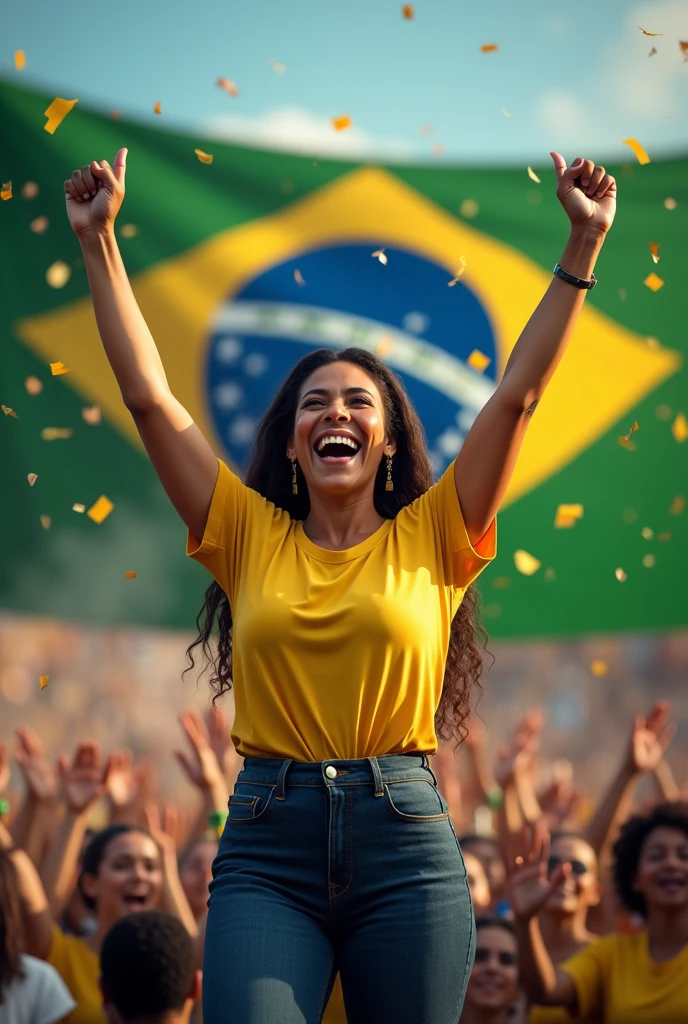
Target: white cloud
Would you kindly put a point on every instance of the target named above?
(296, 130)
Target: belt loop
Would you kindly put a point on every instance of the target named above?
(377, 776)
(281, 777)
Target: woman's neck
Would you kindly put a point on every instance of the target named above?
(340, 526)
(564, 935)
(667, 933)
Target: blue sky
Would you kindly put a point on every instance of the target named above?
(576, 78)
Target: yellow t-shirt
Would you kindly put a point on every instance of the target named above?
(338, 654)
(78, 967)
(617, 976)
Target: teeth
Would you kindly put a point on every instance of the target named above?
(332, 439)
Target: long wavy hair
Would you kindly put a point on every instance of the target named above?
(11, 925)
(270, 475)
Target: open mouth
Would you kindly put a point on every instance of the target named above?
(336, 448)
(135, 902)
(671, 886)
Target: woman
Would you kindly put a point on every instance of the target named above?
(622, 978)
(493, 986)
(344, 573)
(31, 992)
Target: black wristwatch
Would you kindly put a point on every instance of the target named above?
(578, 281)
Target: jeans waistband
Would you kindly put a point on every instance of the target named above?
(357, 772)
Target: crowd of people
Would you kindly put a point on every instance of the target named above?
(581, 911)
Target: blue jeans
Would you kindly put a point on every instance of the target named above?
(360, 874)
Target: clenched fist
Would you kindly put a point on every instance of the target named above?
(94, 194)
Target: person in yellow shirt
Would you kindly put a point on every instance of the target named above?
(342, 614)
(625, 977)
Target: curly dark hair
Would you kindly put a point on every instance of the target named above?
(629, 846)
(270, 476)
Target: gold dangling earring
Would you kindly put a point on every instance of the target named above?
(294, 484)
(389, 486)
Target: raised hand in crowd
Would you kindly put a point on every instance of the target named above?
(560, 798)
(202, 768)
(35, 824)
(126, 786)
(4, 768)
(164, 830)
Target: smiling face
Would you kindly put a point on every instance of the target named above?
(581, 888)
(477, 881)
(662, 875)
(493, 984)
(129, 878)
(339, 432)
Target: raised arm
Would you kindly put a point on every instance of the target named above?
(181, 456)
(203, 770)
(487, 459)
(41, 800)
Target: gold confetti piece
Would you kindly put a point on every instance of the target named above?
(19, 60)
(29, 190)
(56, 113)
(647, 532)
(39, 225)
(489, 48)
(58, 368)
(670, 203)
(641, 154)
(407, 11)
(58, 273)
(599, 668)
(646, 33)
(130, 575)
(43, 681)
(620, 575)
(533, 176)
(298, 277)
(652, 52)
(649, 561)
(157, 108)
(56, 433)
(78, 507)
(478, 360)
(567, 515)
(33, 385)
(550, 576)
(32, 478)
(100, 510)
(625, 441)
(505, 112)
(380, 255)
(384, 346)
(438, 149)
(6, 190)
(683, 47)
(469, 208)
(340, 123)
(679, 428)
(459, 273)
(653, 282)
(128, 231)
(46, 522)
(654, 247)
(91, 415)
(526, 563)
(677, 506)
(205, 158)
(278, 68)
(9, 412)
(228, 85)
(116, 114)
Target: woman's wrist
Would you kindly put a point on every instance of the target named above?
(581, 251)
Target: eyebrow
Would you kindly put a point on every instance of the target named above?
(348, 391)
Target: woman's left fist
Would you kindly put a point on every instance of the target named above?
(587, 193)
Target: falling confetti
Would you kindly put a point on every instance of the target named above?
(58, 368)
(58, 273)
(407, 11)
(384, 346)
(670, 203)
(78, 507)
(438, 149)
(550, 576)
(340, 123)
(39, 225)
(6, 190)
(683, 47)
(505, 112)
(116, 114)
(526, 563)
(646, 33)
(228, 86)
(679, 428)
(489, 48)
(663, 537)
(478, 361)
(29, 190)
(677, 506)
(157, 108)
(533, 176)
(32, 478)
(649, 561)
(380, 255)
(459, 273)
(19, 60)
(128, 231)
(56, 433)
(652, 52)
(426, 129)
(43, 681)
(205, 158)
(625, 441)
(278, 68)
(567, 515)
(56, 113)
(298, 277)
(9, 412)
(469, 208)
(654, 247)
(641, 154)
(91, 415)
(647, 533)
(130, 575)
(620, 575)
(100, 510)
(599, 667)
(46, 522)
(654, 282)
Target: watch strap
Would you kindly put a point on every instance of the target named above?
(579, 282)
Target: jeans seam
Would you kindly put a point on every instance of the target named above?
(327, 982)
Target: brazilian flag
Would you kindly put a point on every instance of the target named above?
(243, 264)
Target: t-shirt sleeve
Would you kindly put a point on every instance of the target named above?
(587, 969)
(51, 1000)
(439, 510)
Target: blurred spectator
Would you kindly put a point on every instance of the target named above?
(493, 986)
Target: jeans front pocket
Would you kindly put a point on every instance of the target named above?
(415, 800)
(250, 802)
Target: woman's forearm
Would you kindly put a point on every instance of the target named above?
(543, 983)
(128, 344)
(543, 341)
(58, 872)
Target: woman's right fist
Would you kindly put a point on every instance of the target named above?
(94, 194)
